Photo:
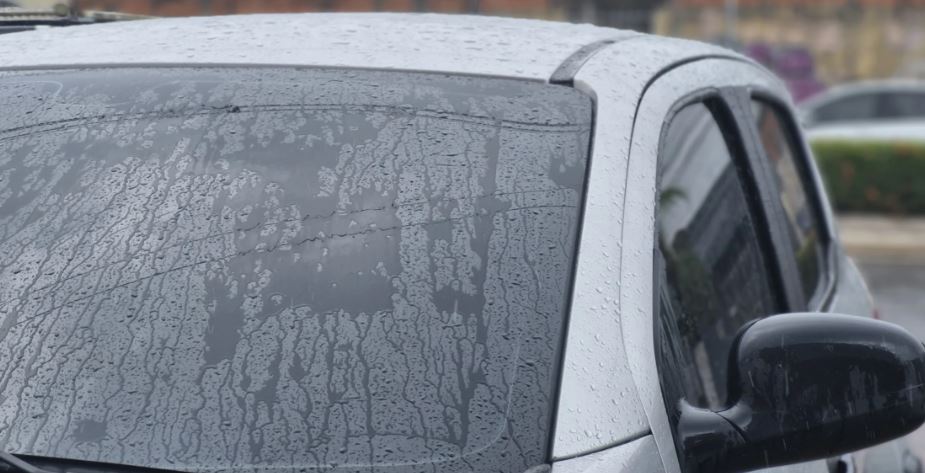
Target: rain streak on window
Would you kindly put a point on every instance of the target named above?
(275, 269)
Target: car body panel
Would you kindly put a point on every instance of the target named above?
(639, 216)
(638, 456)
(851, 294)
(421, 42)
(598, 403)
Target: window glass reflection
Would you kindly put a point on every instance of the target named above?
(715, 278)
(802, 228)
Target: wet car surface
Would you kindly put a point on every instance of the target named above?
(546, 248)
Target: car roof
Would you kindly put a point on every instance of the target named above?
(461, 44)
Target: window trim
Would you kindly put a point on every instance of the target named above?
(722, 103)
(824, 294)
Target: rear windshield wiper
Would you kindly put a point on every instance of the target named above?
(19, 464)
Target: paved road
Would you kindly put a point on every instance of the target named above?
(899, 291)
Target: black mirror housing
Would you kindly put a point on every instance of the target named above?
(805, 387)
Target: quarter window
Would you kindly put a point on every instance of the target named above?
(802, 227)
(714, 277)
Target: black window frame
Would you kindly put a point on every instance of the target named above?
(725, 106)
(812, 186)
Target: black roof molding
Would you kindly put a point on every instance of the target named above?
(565, 73)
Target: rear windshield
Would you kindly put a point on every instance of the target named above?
(285, 269)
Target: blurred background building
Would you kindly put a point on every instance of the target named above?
(810, 43)
(634, 14)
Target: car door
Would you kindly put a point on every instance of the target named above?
(719, 264)
(810, 242)
(716, 250)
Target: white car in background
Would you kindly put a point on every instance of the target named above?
(886, 110)
(424, 243)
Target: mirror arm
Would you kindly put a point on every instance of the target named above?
(709, 441)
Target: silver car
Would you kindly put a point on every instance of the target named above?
(883, 110)
(423, 243)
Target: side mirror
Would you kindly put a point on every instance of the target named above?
(808, 386)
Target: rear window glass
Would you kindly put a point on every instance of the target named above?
(282, 269)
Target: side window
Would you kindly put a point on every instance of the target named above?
(712, 270)
(899, 105)
(855, 107)
(803, 228)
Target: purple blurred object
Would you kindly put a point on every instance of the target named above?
(796, 66)
(762, 53)
(798, 69)
(795, 63)
(802, 89)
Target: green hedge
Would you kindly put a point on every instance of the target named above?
(869, 176)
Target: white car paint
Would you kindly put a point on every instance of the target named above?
(637, 456)
(911, 129)
(421, 42)
(883, 130)
(603, 407)
(639, 226)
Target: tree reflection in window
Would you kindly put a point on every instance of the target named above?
(714, 278)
